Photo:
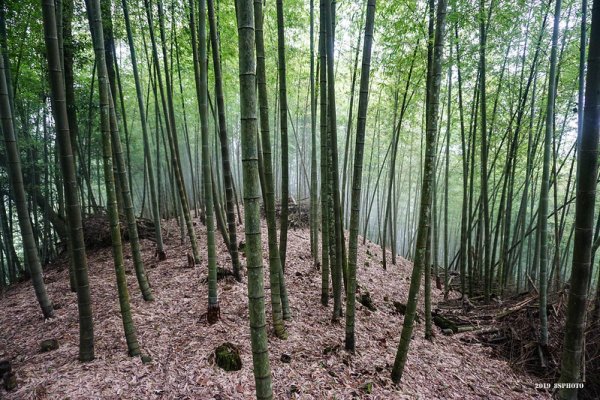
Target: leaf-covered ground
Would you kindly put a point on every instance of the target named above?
(174, 332)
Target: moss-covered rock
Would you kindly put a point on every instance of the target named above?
(48, 345)
(10, 381)
(445, 323)
(146, 359)
(366, 300)
(367, 387)
(223, 273)
(227, 356)
(401, 309)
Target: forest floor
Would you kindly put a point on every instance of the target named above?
(173, 331)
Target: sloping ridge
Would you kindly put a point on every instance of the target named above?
(174, 333)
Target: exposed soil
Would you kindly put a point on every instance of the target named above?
(310, 364)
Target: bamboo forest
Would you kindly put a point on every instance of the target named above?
(300, 199)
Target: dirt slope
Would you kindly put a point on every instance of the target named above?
(180, 342)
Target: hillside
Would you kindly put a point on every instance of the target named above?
(174, 333)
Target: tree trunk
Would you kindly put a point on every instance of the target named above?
(325, 217)
(15, 176)
(485, 209)
(201, 74)
(275, 270)
(70, 97)
(363, 102)
(283, 115)
(447, 180)
(336, 237)
(314, 211)
(225, 157)
(169, 114)
(95, 20)
(584, 217)
(160, 252)
(426, 192)
(545, 185)
(256, 294)
(73, 208)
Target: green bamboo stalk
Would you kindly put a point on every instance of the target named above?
(73, 208)
(15, 176)
(275, 270)
(256, 302)
(95, 20)
(363, 103)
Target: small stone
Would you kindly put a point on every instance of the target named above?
(10, 381)
(228, 357)
(49, 345)
(448, 332)
(286, 358)
(146, 359)
(294, 389)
